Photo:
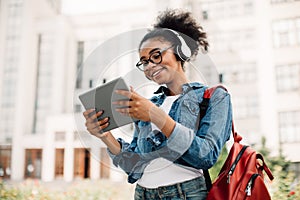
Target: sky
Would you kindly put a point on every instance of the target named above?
(75, 7)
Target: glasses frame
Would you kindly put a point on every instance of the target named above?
(141, 63)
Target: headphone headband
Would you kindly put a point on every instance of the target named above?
(182, 50)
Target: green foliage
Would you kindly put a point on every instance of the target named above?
(214, 171)
(8, 194)
(85, 189)
(284, 185)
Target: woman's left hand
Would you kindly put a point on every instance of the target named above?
(137, 107)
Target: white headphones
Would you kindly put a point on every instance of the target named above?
(182, 50)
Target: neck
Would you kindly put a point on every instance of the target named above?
(175, 87)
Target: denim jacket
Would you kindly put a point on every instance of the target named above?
(190, 144)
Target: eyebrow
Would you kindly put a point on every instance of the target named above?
(150, 52)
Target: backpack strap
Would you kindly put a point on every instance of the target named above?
(204, 105)
(203, 108)
(206, 97)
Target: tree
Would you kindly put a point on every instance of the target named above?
(284, 178)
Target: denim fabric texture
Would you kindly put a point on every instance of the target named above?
(189, 190)
(190, 144)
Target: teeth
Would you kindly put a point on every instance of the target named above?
(155, 73)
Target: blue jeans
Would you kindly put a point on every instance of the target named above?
(194, 189)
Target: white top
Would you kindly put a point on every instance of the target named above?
(162, 172)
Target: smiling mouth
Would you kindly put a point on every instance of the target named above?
(155, 73)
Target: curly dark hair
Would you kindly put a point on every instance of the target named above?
(182, 22)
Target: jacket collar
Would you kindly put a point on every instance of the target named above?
(185, 88)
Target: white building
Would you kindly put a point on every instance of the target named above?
(41, 54)
(253, 44)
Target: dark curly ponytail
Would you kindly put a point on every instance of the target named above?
(183, 23)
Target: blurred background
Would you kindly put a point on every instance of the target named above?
(254, 49)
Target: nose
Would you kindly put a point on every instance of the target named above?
(150, 66)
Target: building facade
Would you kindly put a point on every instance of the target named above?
(255, 46)
(47, 58)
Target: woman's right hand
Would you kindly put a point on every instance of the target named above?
(95, 126)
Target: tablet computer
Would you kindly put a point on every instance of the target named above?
(101, 98)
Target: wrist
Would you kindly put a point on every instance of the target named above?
(163, 121)
(168, 127)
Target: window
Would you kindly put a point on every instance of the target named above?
(44, 78)
(289, 126)
(298, 29)
(81, 163)
(288, 77)
(282, 1)
(231, 41)
(226, 9)
(80, 55)
(11, 64)
(59, 162)
(5, 162)
(239, 73)
(77, 108)
(204, 14)
(245, 107)
(60, 136)
(286, 32)
(295, 167)
(33, 163)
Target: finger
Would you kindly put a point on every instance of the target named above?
(133, 92)
(93, 128)
(87, 112)
(97, 127)
(94, 122)
(122, 103)
(94, 118)
(104, 126)
(123, 110)
(103, 121)
(125, 93)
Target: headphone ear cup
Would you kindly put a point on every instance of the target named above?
(183, 51)
(177, 52)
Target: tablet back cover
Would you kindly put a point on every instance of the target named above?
(101, 98)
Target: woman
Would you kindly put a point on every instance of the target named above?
(169, 150)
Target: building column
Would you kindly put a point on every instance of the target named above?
(69, 157)
(17, 159)
(95, 163)
(48, 163)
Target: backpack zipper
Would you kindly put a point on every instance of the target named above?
(233, 166)
(250, 183)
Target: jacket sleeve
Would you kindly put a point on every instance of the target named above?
(202, 150)
(129, 155)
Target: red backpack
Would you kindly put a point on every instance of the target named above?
(241, 176)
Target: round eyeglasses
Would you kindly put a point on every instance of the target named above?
(154, 57)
